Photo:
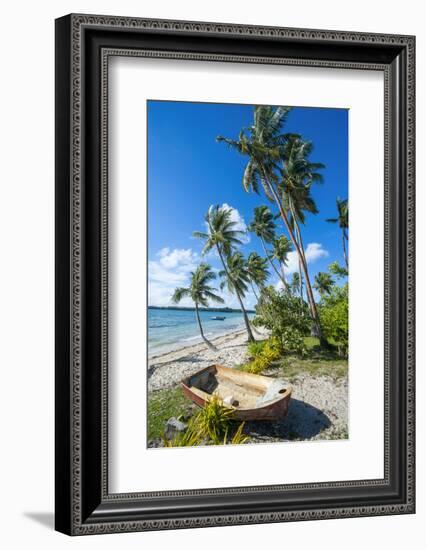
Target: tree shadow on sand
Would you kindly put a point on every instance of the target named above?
(303, 421)
(185, 359)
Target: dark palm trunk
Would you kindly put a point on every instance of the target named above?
(300, 243)
(300, 281)
(254, 292)
(283, 272)
(299, 237)
(309, 293)
(209, 344)
(345, 254)
(246, 319)
(284, 282)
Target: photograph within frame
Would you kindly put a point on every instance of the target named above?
(245, 282)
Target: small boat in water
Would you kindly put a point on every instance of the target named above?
(252, 396)
(217, 318)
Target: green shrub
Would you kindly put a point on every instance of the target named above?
(269, 352)
(286, 316)
(211, 424)
(334, 316)
(256, 348)
(214, 419)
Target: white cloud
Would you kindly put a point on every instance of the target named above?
(313, 252)
(172, 269)
(240, 224)
(239, 221)
(179, 257)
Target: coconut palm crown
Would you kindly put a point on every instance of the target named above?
(282, 248)
(221, 231)
(323, 283)
(263, 226)
(236, 277)
(257, 271)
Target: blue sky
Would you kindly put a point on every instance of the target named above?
(188, 171)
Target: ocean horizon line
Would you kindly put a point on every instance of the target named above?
(209, 309)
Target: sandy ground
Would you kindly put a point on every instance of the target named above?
(168, 369)
(318, 407)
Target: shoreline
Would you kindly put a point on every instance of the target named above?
(186, 347)
(168, 369)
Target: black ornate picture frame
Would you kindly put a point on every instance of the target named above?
(84, 44)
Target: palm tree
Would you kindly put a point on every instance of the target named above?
(323, 283)
(282, 247)
(263, 226)
(343, 221)
(295, 284)
(264, 144)
(257, 272)
(236, 278)
(200, 293)
(222, 236)
(298, 174)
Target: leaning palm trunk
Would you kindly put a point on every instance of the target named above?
(300, 243)
(283, 273)
(254, 292)
(309, 293)
(209, 344)
(281, 278)
(345, 254)
(245, 316)
(301, 281)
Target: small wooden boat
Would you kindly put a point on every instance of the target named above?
(217, 318)
(252, 396)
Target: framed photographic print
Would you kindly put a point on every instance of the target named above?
(234, 274)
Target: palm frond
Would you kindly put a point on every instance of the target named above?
(180, 293)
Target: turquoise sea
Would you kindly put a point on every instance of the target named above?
(170, 329)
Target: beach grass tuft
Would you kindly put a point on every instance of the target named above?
(162, 405)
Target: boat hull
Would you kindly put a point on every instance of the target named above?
(252, 384)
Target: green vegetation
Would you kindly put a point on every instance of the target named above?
(323, 283)
(210, 426)
(266, 355)
(263, 355)
(162, 405)
(257, 272)
(286, 316)
(315, 362)
(263, 226)
(282, 247)
(334, 313)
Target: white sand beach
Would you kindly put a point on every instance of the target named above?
(318, 408)
(167, 369)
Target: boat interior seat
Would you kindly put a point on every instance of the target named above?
(273, 392)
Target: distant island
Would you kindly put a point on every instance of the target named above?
(215, 309)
